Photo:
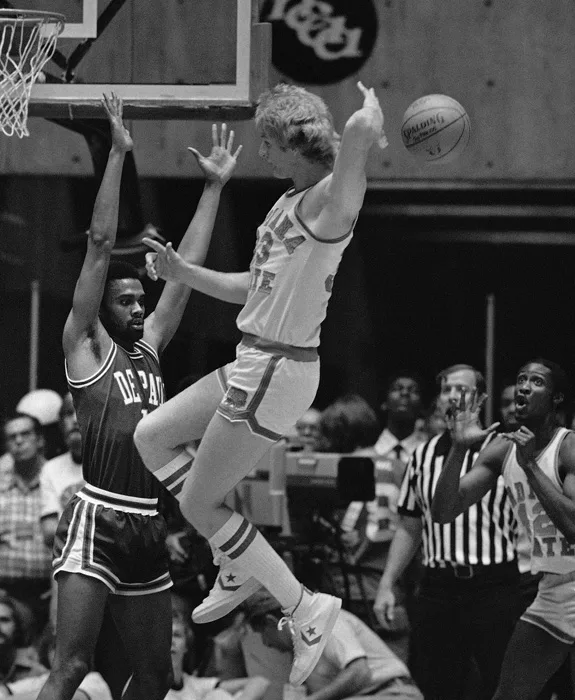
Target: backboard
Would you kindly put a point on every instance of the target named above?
(184, 59)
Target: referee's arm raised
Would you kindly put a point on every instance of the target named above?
(453, 495)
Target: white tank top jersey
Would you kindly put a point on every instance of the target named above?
(550, 551)
(291, 277)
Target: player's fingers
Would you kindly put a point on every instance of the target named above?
(493, 427)
(238, 151)
(106, 104)
(195, 152)
(158, 247)
(170, 252)
(223, 135)
(362, 87)
(231, 140)
(214, 134)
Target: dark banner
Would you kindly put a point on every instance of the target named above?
(319, 42)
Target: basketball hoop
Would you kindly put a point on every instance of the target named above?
(27, 42)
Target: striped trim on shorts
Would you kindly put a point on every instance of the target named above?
(80, 550)
(269, 386)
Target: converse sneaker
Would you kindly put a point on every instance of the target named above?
(310, 625)
(231, 588)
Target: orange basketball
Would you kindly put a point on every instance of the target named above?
(435, 129)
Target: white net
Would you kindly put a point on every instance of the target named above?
(27, 42)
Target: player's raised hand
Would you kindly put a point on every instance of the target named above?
(525, 441)
(371, 102)
(121, 139)
(220, 164)
(462, 418)
(165, 263)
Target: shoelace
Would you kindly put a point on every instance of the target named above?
(289, 621)
(221, 559)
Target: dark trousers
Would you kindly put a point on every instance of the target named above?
(458, 622)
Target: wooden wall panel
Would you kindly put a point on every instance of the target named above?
(510, 64)
(194, 43)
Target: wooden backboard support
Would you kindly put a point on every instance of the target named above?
(135, 54)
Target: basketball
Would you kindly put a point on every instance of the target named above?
(435, 129)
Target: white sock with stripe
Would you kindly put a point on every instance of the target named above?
(241, 541)
(173, 474)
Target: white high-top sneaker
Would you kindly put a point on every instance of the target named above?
(231, 588)
(310, 625)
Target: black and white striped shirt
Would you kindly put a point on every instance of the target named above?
(484, 534)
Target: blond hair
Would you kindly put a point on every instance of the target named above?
(298, 120)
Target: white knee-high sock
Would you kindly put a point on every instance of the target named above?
(173, 474)
(241, 541)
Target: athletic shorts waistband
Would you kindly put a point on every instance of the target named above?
(290, 352)
(119, 501)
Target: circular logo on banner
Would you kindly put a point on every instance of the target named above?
(319, 42)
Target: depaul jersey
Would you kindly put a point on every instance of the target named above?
(550, 550)
(109, 405)
(291, 277)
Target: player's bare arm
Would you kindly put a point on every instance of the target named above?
(217, 168)
(167, 264)
(341, 195)
(560, 507)
(85, 340)
(454, 495)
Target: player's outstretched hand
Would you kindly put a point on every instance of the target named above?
(165, 263)
(371, 102)
(220, 164)
(121, 138)
(462, 418)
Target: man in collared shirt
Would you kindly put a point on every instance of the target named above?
(468, 601)
(25, 561)
(369, 527)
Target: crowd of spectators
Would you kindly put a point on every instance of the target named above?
(427, 609)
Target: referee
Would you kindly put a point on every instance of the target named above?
(468, 600)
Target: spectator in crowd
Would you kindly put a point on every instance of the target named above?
(348, 424)
(93, 687)
(45, 405)
(468, 600)
(188, 687)
(25, 560)
(374, 523)
(308, 429)
(61, 476)
(60, 479)
(355, 661)
(369, 527)
(16, 660)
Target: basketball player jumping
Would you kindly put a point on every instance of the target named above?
(241, 409)
(537, 462)
(110, 550)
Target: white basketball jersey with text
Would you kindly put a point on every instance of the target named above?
(550, 551)
(291, 277)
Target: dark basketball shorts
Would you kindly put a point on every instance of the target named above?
(119, 540)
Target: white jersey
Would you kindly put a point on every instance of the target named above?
(292, 273)
(550, 551)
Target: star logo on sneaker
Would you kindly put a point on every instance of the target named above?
(308, 636)
(227, 582)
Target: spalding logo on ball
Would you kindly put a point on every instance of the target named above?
(435, 129)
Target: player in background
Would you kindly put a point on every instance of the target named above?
(110, 552)
(537, 462)
(240, 410)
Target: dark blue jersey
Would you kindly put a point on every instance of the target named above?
(109, 405)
